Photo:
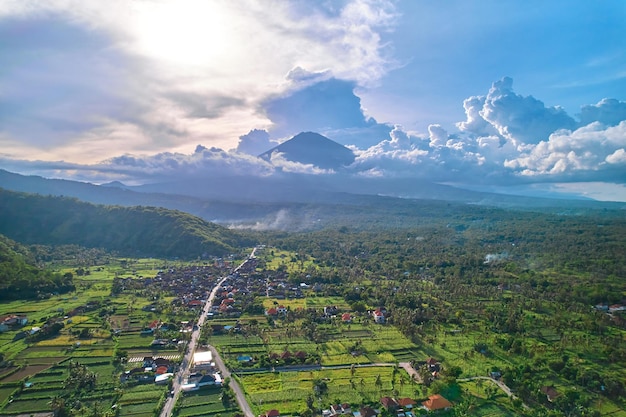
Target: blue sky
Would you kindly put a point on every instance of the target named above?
(516, 95)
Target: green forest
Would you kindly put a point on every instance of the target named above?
(20, 278)
(134, 231)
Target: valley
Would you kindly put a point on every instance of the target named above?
(460, 306)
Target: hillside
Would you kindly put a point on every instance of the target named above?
(136, 231)
(19, 279)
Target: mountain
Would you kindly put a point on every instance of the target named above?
(314, 149)
(132, 231)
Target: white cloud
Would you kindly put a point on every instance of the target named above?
(580, 152)
(438, 136)
(181, 71)
(515, 117)
(608, 111)
(279, 161)
(617, 157)
(255, 142)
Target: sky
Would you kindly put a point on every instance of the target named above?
(516, 96)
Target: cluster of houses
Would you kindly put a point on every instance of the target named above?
(379, 315)
(12, 321)
(190, 284)
(157, 370)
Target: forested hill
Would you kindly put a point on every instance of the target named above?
(19, 279)
(132, 231)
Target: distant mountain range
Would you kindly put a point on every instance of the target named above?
(287, 200)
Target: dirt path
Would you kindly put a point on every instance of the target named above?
(500, 385)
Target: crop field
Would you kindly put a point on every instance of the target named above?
(43, 363)
(288, 391)
(204, 402)
(141, 394)
(145, 409)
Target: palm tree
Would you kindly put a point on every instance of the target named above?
(57, 404)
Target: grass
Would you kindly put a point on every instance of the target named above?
(27, 406)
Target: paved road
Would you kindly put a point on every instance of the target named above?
(239, 394)
(191, 349)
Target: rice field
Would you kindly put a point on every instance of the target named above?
(288, 391)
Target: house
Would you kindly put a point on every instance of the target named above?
(379, 316)
(330, 310)
(281, 309)
(195, 303)
(368, 412)
(271, 413)
(300, 355)
(389, 403)
(617, 307)
(163, 378)
(272, 312)
(162, 362)
(436, 402)
(159, 343)
(346, 318)
(406, 402)
(12, 321)
(550, 392)
(338, 409)
(433, 365)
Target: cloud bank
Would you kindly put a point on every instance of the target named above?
(127, 90)
(490, 147)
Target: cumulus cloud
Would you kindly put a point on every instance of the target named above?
(513, 116)
(325, 105)
(438, 136)
(617, 157)
(576, 154)
(608, 111)
(255, 142)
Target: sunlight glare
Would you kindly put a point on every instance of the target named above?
(185, 33)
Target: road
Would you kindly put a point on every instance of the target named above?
(191, 349)
(241, 397)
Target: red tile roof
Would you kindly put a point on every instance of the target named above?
(436, 402)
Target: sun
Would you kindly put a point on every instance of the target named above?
(185, 33)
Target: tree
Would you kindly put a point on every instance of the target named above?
(378, 382)
(58, 406)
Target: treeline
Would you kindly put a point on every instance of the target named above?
(131, 231)
(477, 249)
(20, 279)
